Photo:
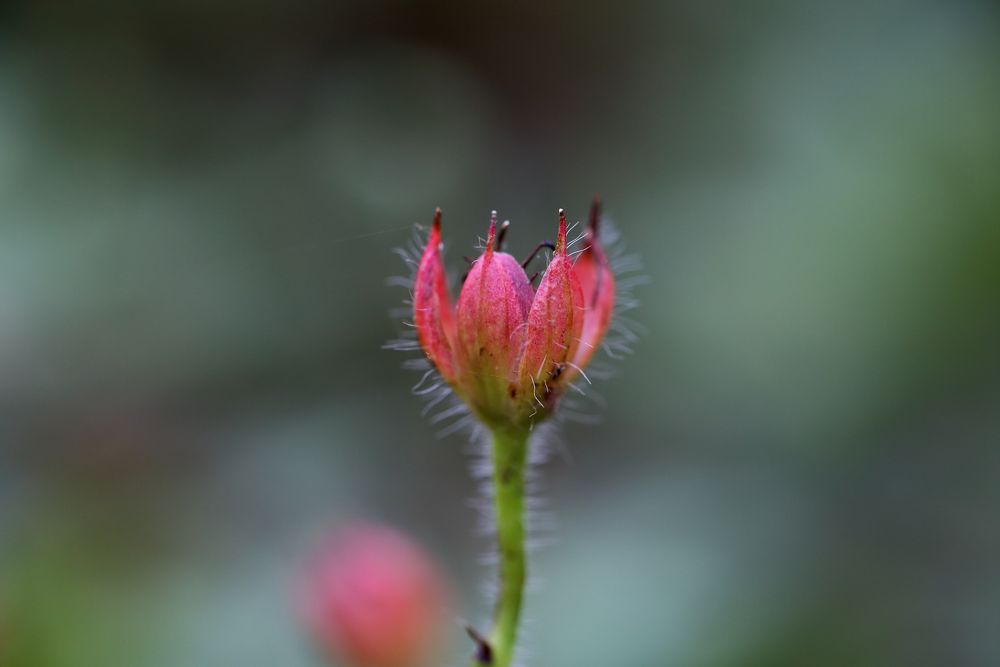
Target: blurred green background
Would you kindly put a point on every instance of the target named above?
(198, 202)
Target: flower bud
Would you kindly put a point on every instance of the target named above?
(375, 599)
(507, 350)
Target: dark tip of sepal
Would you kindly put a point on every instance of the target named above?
(437, 218)
(491, 236)
(595, 213)
(561, 239)
(501, 234)
(484, 652)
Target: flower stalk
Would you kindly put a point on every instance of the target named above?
(510, 454)
(510, 350)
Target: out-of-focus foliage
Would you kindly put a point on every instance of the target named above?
(800, 465)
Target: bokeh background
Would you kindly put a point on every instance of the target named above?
(198, 201)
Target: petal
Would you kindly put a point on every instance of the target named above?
(491, 313)
(555, 323)
(598, 283)
(432, 310)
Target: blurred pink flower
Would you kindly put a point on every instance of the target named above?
(374, 598)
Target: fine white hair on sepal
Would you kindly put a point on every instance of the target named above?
(441, 405)
(584, 407)
(402, 345)
(465, 423)
(627, 269)
(452, 410)
(440, 394)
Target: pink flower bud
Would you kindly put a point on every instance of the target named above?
(510, 351)
(375, 599)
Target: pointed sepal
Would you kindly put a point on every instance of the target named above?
(555, 323)
(597, 281)
(432, 310)
(491, 313)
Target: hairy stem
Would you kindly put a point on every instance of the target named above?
(510, 449)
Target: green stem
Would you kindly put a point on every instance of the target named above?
(510, 450)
